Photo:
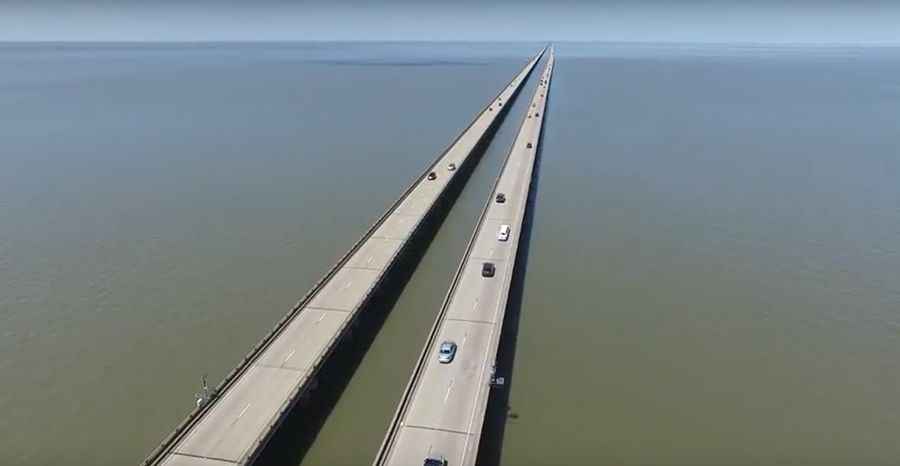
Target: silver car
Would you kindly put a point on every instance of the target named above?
(446, 352)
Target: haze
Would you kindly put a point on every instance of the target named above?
(724, 21)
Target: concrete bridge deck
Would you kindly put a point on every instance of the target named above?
(249, 405)
(443, 408)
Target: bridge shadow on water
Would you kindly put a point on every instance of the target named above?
(498, 410)
(293, 439)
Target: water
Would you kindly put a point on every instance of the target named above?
(712, 267)
(163, 206)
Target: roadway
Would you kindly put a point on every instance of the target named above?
(443, 408)
(249, 405)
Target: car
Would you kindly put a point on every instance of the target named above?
(432, 176)
(488, 269)
(446, 352)
(435, 461)
(451, 167)
(503, 233)
(501, 198)
(528, 146)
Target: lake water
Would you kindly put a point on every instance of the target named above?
(712, 273)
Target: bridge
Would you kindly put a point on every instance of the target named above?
(243, 412)
(443, 407)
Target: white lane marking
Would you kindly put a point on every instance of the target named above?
(289, 356)
(243, 411)
(321, 318)
(369, 260)
(449, 387)
(348, 284)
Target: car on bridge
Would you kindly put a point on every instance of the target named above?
(447, 352)
(503, 233)
(435, 461)
(432, 176)
(501, 198)
(487, 269)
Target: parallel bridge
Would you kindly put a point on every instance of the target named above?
(443, 408)
(244, 411)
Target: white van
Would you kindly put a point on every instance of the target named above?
(503, 234)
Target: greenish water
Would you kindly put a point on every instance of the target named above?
(713, 269)
(163, 206)
(712, 273)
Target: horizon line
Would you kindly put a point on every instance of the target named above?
(454, 41)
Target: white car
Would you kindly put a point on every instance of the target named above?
(446, 352)
(503, 233)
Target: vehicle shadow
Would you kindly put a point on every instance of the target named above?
(498, 409)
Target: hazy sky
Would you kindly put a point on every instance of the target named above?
(653, 21)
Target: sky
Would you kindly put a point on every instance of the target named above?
(723, 21)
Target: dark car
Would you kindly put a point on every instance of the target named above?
(432, 176)
(529, 146)
(501, 198)
(487, 269)
(435, 461)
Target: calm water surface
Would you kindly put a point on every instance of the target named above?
(713, 277)
(713, 264)
(162, 206)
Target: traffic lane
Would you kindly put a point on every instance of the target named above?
(413, 445)
(476, 298)
(397, 226)
(375, 253)
(446, 396)
(512, 184)
(346, 289)
(488, 247)
(231, 427)
(422, 197)
(304, 340)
